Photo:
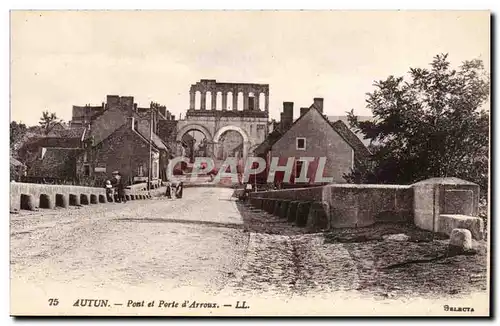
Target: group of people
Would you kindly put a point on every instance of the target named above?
(115, 189)
(174, 190)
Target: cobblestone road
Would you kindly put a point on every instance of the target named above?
(200, 247)
(197, 241)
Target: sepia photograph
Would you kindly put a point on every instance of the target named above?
(250, 163)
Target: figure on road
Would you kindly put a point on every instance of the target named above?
(120, 187)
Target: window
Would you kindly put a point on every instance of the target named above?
(300, 143)
(140, 171)
(85, 157)
(86, 170)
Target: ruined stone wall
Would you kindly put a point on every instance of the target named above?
(211, 86)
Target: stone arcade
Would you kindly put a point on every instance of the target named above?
(239, 107)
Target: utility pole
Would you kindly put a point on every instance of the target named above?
(150, 143)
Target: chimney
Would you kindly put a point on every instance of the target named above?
(112, 101)
(303, 111)
(173, 117)
(318, 103)
(287, 115)
(168, 115)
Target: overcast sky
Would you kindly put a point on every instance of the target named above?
(60, 59)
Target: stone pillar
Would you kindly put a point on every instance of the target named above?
(214, 100)
(256, 99)
(192, 101)
(235, 101)
(267, 103)
(224, 101)
(203, 101)
(245, 101)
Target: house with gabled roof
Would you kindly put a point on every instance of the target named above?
(120, 138)
(308, 139)
(117, 136)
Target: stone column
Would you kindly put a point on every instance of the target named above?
(214, 100)
(192, 101)
(224, 101)
(235, 101)
(203, 100)
(245, 101)
(256, 99)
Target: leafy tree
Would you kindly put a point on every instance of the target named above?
(48, 121)
(432, 124)
(17, 131)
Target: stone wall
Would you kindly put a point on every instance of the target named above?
(437, 204)
(362, 205)
(437, 197)
(349, 205)
(30, 196)
(37, 191)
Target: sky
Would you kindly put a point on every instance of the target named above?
(60, 58)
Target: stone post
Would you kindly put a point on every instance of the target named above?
(214, 100)
(235, 101)
(245, 101)
(203, 100)
(192, 101)
(224, 101)
(267, 102)
(256, 99)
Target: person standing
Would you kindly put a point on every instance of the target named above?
(121, 189)
(109, 191)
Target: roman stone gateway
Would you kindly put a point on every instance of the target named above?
(231, 118)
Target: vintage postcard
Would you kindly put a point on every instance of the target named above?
(250, 163)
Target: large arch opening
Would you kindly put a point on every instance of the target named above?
(240, 103)
(230, 144)
(262, 101)
(218, 101)
(208, 104)
(229, 102)
(196, 141)
(197, 100)
(230, 141)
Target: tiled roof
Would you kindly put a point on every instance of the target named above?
(353, 140)
(266, 145)
(167, 130)
(76, 132)
(339, 126)
(344, 119)
(56, 163)
(144, 130)
(106, 124)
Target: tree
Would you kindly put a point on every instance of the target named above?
(48, 121)
(433, 124)
(17, 131)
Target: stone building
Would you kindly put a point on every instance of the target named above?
(117, 136)
(216, 108)
(120, 138)
(313, 135)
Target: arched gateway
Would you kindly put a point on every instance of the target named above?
(251, 122)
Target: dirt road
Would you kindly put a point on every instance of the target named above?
(202, 244)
